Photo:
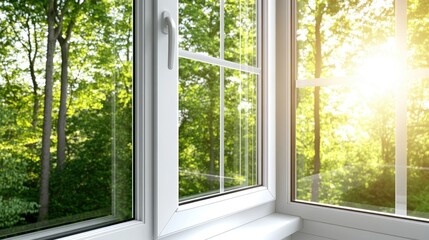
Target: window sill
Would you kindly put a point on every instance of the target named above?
(273, 226)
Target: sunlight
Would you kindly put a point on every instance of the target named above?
(381, 70)
(374, 84)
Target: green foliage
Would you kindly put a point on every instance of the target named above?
(199, 129)
(13, 174)
(13, 209)
(97, 177)
(199, 26)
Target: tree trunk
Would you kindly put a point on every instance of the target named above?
(35, 92)
(62, 114)
(61, 131)
(31, 60)
(47, 116)
(129, 40)
(317, 74)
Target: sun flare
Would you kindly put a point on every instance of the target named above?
(381, 70)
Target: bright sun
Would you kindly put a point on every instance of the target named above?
(377, 78)
(381, 71)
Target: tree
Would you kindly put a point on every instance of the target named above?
(99, 106)
(53, 33)
(21, 16)
(73, 10)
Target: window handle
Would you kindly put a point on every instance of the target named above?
(169, 28)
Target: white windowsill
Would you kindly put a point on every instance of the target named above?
(271, 227)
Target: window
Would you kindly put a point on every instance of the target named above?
(215, 125)
(116, 113)
(318, 215)
(66, 115)
(358, 106)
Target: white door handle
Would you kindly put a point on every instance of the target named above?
(169, 28)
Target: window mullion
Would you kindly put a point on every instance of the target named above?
(401, 111)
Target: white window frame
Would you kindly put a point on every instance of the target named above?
(346, 217)
(170, 217)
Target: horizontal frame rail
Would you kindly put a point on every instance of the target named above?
(323, 82)
(219, 62)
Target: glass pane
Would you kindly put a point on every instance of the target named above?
(417, 31)
(218, 142)
(345, 105)
(418, 110)
(345, 152)
(418, 148)
(241, 24)
(199, 27)
(66, 128)
(241, 155)
(204, 168)
(199, 133)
